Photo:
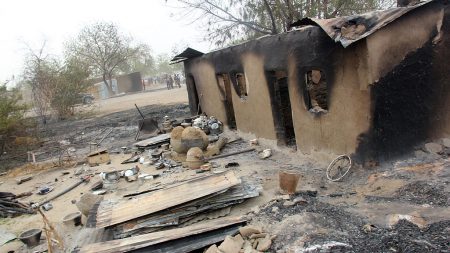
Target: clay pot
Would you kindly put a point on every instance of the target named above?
(73, 219)
(175, 140)
(31, 237)
(190, 137)
(194, 158)
(288, 181)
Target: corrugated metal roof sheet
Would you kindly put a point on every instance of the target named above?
(188, 53)
(350, 29)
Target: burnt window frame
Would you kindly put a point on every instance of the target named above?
(238, 87)
(306, 91)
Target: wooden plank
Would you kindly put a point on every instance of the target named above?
(141, 241)
(108, 215)
(191, 243)
(248, 188)
(154, 140)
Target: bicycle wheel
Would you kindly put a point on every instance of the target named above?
(338, 168)
(68, 158)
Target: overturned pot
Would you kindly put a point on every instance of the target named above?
(72, 219)
(195, 158)
(31, 237)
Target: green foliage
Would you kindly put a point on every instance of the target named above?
(142, 61)
(55, 85)
(11, 111)
(40, 73)
(163, 66)
(71, 81)
(11, 115)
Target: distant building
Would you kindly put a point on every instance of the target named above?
(120, 84)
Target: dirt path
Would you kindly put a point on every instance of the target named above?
(157, 95)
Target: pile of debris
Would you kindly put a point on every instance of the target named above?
(250, 239)
(176, 205)
(421, 192)
(10, 206)
(178, 240)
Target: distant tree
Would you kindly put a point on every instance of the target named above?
(163, 65)
(104, 48)
(41, 74)
(229, 21)
(55, 84)
(11, 115)
(71, 82)
(143, 61)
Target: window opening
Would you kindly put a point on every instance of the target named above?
(316, 86)
(242, 85)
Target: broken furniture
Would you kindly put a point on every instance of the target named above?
(98, 157)
(95, 144)
(146, 126)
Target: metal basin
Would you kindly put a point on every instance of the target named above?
(31, 237)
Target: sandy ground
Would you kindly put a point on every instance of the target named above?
(155, 95)
(383, 181)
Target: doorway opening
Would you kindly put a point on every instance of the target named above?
(224, 81)
(194, 102)
(282, 108)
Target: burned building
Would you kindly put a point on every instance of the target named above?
(372, 85)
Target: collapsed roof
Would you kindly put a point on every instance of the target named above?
(187, 54)
(350, 29)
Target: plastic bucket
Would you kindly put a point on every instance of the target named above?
(288, 181)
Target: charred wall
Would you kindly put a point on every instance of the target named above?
(410, 104)
(403, 103)
(440, 125)
(385, 93)
(348, 113)
(256, 59)
(129, 83)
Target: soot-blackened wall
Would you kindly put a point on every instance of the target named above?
(410, 104)
(403, 103)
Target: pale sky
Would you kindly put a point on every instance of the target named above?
(32, 21)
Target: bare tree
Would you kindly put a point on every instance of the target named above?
(231, 21)
(40, 74)
(55, 84)
(104, 48)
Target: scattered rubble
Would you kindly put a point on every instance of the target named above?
(24, 179)
(10, 206)
(421, 192)
(446, 142)
(146, 204)
(434, 148)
